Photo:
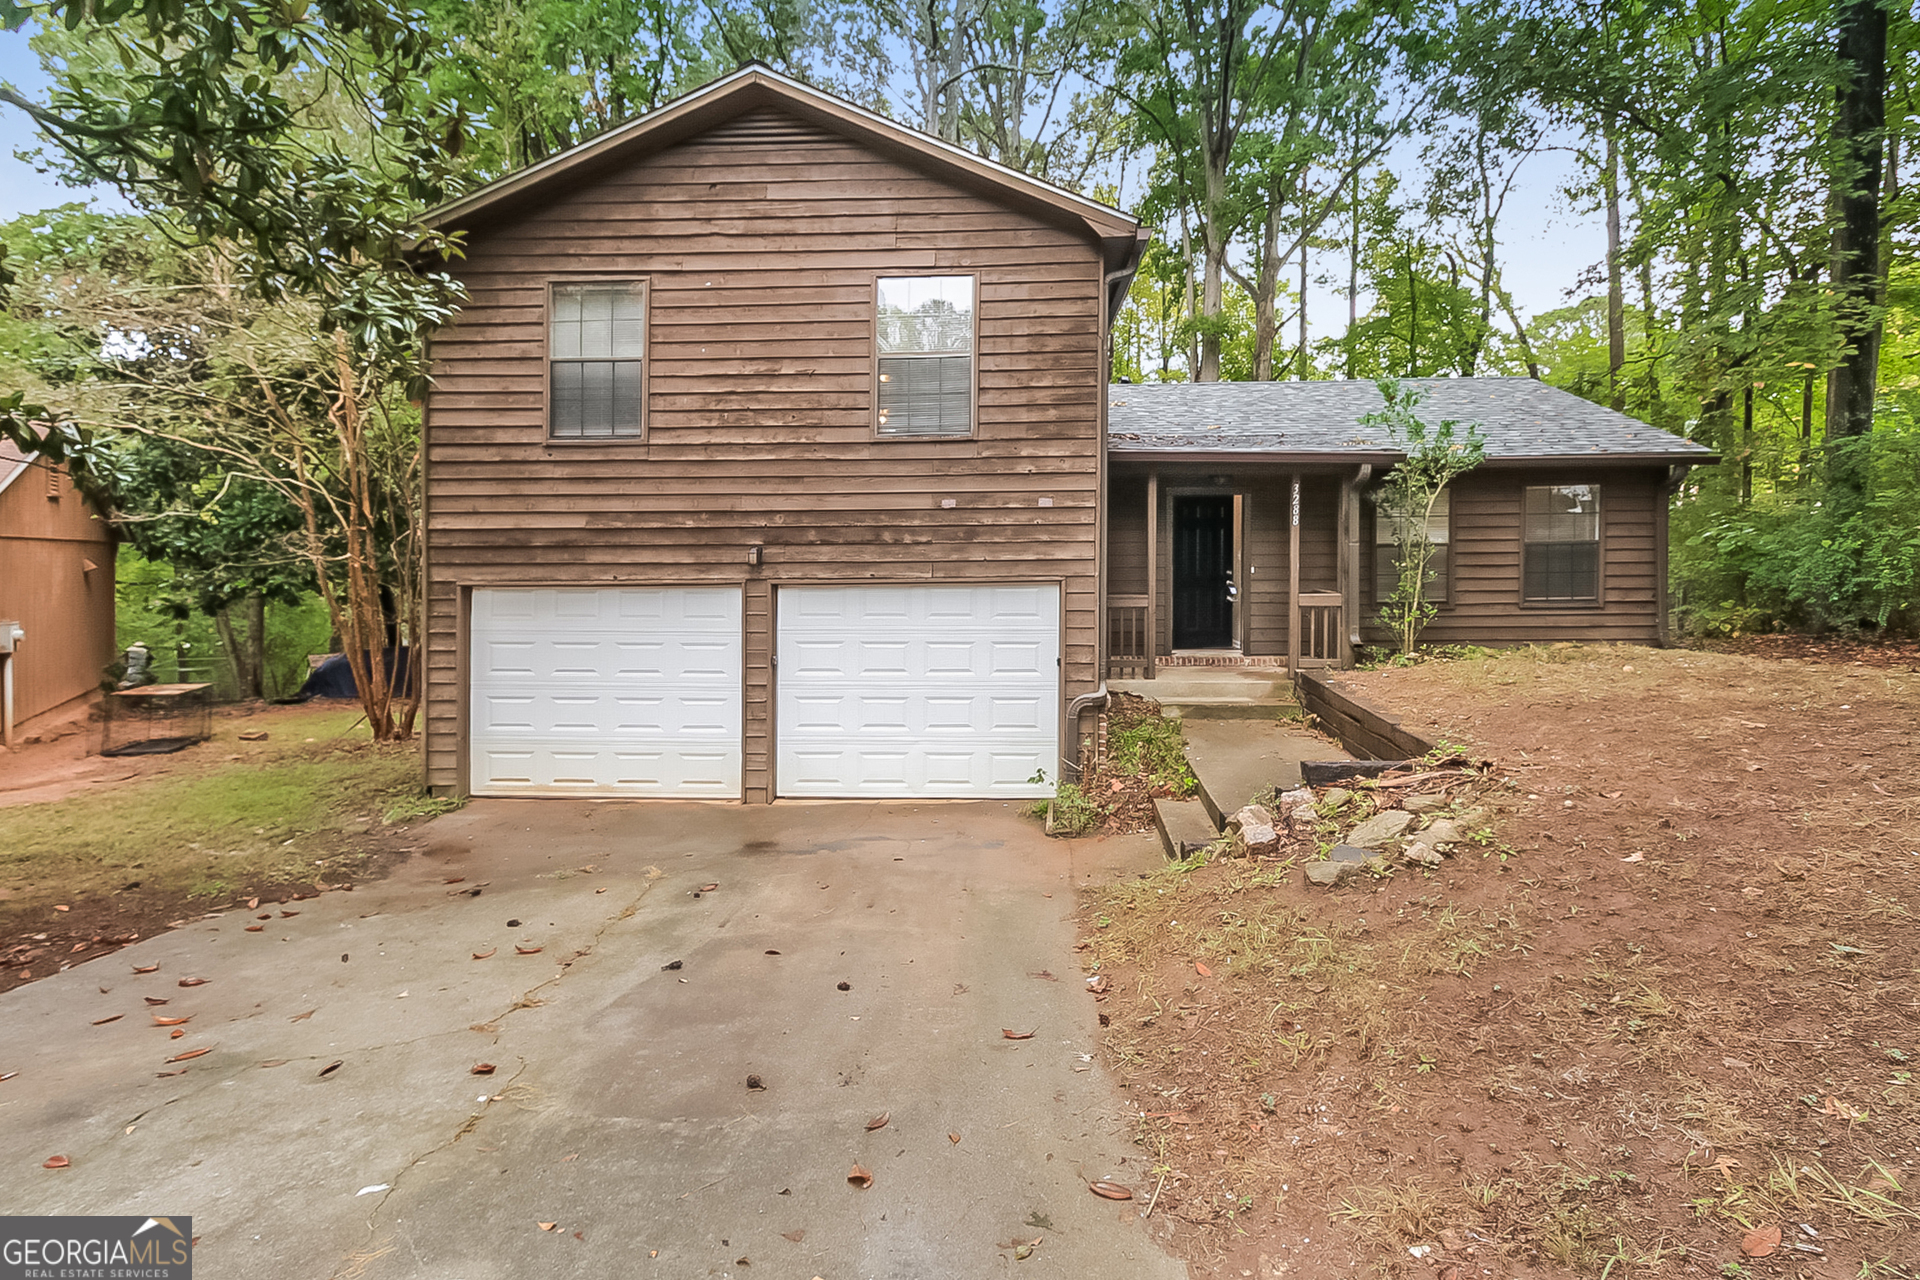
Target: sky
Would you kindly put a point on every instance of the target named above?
(1545, 243)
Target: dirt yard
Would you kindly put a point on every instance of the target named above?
(1667, 1024)
(96, 852)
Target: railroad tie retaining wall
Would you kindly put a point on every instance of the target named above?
(1362, 728)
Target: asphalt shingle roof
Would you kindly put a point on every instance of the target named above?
(1519, 417)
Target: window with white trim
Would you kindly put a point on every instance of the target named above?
(1386, 551)
(1562, 536)
(596, 349)
(924, 335)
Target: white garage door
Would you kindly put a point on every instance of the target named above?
(607, 691)
(917, 691)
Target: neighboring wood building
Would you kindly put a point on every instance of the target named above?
(769, 457)
(56, 582)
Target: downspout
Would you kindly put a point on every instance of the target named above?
(1352, 553)
(1077, 707)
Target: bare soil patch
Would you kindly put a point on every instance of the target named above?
(1674, 1006)
(99, 852)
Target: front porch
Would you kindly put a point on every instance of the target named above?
(1256, 567)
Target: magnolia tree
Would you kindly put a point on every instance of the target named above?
(297, 145)
(1435, 456)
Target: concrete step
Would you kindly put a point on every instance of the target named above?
(1217, 693)
(1232, 709)
(1233, 763)
(1184, 826)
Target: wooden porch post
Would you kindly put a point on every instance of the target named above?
(1293, 579)
(1153, 567)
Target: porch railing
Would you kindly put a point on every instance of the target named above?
(1127, 638)
(1322, 638)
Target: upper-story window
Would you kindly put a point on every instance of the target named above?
(1562, 536)
(596, 347)
(925, 345)
(1386, 551)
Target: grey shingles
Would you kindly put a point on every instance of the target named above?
(1520, 418)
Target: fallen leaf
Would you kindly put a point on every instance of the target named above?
(859, 1177)
(145, 968)
(175, 1034)
(482, 955)
(55, 1162)
(332, 1067)
(191, 1053)
(483, 1069)
(796, 1235)
(6, 1076)
(773, 953)
(195, 982)
(159, 1021)
(548, 1226)
(708, 888)
(1610, 795)
(264, 915)
(63, 908)
(454, 880)
(953, 1137)
(743, 1262)
(1044, 975)
(879, 1121)
(1835, 1107)
(1022, 1253)
(255, 928)
(275, 1062)
(101, 1022)
(285, 914)
(1016, 1035)
(252, 903)
(1202, 969)
(1760, 1243)
(1097, 983)
(1726, 1165)
(1635, 856)
(302, 1017)
(527, 951)
(156, 1000)
(1110, 1190)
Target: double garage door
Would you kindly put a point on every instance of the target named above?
(879, 691)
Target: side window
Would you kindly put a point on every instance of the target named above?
(596, 345)
(924, 338)
(1386, 551)
(1562, 534)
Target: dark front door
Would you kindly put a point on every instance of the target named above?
(1202, 572)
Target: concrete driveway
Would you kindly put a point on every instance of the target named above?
(619, 1109)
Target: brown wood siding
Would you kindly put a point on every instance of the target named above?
(1488, 552)
(760, 242)
(48, 535)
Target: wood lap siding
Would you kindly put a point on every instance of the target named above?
(760, 241)
(1488, 552)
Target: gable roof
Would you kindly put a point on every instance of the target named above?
(755, 87)
(1523, 420)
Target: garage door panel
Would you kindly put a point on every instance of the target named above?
(917, 691)
(627, 691)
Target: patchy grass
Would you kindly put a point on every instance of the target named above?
(213, 828)
(221, 820)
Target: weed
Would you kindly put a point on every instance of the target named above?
(1074, 812)
(1150, 745)
(414, 802)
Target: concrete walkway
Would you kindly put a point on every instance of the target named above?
(1236, 760)
(619, 1111)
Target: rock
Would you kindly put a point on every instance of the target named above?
(1335, 797)
(1443, 831)
(1472, 819)
(1380, 828)
(1298, 798)
(1421, 854)
(1253, 832)
(1328, 874)
(1423, 802)
(1348, 853)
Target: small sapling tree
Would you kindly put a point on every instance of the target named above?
(1435, 455)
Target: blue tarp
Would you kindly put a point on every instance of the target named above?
(334, 677)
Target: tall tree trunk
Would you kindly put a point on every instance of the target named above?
(1266, 324)
(1616, 291)
(1193, 314)
(1858, 127)
(1353, 271)
(1303, 367)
